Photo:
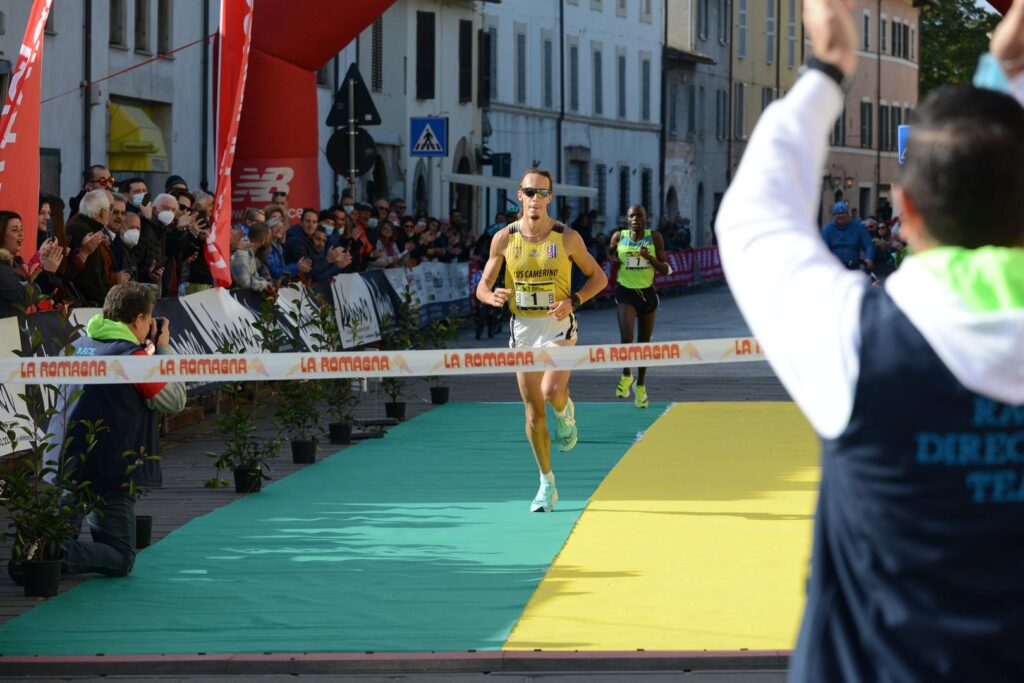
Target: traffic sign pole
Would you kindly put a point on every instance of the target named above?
(353, 172)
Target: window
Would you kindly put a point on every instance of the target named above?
(142, 26)
(621, 76)
(645, 11)
(425, 54)
(164, 26)
(723, 21)
(883, 127)
(867, 30)
(691, 109)
(895, 119)
(904, 41)
(623, 190)
(620, 8)
(673, 109)
(325, 75)
(574, 77)
(701, 108)
(601, 184)
(737, 107)
(520, 67)
(549, 72)
(741, 42)
(913, 39)
(645, 89)
(492, 46)
(766, 97)
(721, 114)
(377, 56)
(702, 19)
(769, 33)
(118, 19)
(791, 36)
(839, 130)
(598, 82)
(882, 28)
(896, 33)
(646, 187)
(867, 137)
(596, 5)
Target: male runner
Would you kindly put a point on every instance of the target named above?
(538, 253)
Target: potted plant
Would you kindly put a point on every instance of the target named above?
(337, 393)
(296, 409)
(44, 500)
(143, 523)
(403, 333)
(441, 333)
(246, 455)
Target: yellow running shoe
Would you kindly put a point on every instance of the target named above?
(622, 391)
(641, 396)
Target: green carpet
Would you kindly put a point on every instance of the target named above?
(418, 541)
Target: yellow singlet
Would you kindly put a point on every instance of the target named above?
(538, 273)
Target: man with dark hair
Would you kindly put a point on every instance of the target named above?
(127, 414)
(538, 253)
(96, 177)
(919, 531)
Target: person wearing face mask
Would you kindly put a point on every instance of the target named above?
(365, 217)
(123, 248)
(151, 252)
(326, 222)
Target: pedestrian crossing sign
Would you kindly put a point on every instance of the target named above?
(428, 136)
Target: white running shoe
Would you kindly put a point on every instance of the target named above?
(547, 496)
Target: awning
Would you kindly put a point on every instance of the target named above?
(512, 184)
(136, 143)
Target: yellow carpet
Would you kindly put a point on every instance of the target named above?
(698, 539)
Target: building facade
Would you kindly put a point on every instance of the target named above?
(862, 163)
(582, 98)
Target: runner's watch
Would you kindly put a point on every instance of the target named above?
(576, 301)
(830, 70)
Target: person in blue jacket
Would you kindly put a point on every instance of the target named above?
(846, 237)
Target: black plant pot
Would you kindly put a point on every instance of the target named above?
(341, 432)
(248, 481)
(143, 531)
(42, 579)
(439, 395)
(304, 452)
(395, 410)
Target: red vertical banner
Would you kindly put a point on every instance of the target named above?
(19, 130)
(232, 62)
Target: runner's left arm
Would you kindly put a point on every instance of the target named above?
(577, 251)
(657, 259)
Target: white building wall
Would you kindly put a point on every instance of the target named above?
(529, 131)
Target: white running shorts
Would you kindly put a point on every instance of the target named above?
(542, 331)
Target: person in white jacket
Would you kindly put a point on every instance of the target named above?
(915, 387)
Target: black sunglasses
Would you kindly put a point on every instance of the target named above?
(531, 192)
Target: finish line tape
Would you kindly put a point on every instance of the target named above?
(285, 366)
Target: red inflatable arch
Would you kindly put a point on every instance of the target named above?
(278, 145)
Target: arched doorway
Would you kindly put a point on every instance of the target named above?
(699, 225)
(420, 197)
(377, 185)
(462, 195)
(671, 203)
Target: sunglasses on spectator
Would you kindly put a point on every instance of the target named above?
(531, 192)
(107, 182)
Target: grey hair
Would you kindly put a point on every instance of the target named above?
(164, 198)
(94, 203)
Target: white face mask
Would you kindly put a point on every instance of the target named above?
(137, 198)
(372, 223)
(165, 217)
(130, 237)
(347, 209)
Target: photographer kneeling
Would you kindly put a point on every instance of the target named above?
(126, 414)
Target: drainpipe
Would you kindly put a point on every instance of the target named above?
(664, 113)
(335, 195)
(778, 48)
(87, 90)
(878, 99)
(204, 138)
(732, 103)
(561, 108)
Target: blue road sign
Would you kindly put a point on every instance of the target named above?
(902, 139)
(428, 136)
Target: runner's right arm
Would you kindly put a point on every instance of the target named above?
(484, 292)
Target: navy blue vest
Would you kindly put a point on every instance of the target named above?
(919, 537)
(129, 425)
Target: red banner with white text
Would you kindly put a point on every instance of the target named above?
(232, 64)
(19, 130)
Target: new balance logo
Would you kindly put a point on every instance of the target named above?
(256, 187)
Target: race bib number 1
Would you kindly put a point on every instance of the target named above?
(535, 295)
(635, 262)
